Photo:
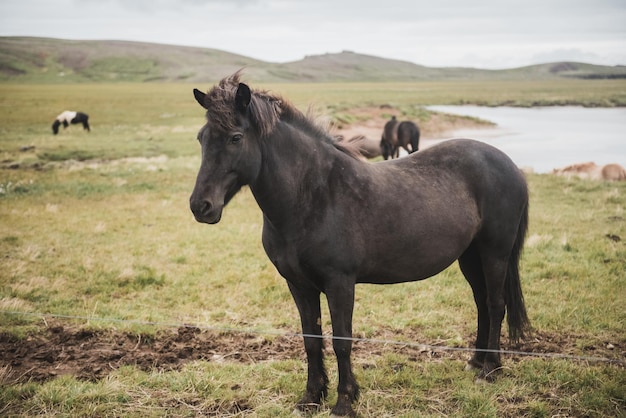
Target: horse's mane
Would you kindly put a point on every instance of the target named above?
(266, 110)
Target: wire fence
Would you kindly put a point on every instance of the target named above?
(251, 331)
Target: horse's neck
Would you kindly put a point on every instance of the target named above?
(295, 167)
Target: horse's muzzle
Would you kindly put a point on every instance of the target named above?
(204, 211)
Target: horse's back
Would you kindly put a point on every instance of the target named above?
(408, 128)
(67, 116)
(488, 175)
(473, 161)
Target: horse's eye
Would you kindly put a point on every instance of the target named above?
(236, 138)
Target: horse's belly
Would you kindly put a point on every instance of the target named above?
(417, 254)
(406, 269)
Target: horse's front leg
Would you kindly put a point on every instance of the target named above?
(340, 295)
(308, 303)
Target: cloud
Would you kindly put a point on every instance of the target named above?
(482, 33)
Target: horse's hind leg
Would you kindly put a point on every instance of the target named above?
(472, 269)
(495, 276)
(486, 272)
(308, 303)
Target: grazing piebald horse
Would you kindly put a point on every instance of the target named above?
(461, 200)
(397, 134)
(68, 117)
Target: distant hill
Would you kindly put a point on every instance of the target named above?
(45, 60)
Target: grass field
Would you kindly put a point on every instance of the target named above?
(97, 225)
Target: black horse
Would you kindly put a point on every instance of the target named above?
(461, 200)
(396, 134)
(72, 117)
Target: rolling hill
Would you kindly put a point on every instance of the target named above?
(46, 60)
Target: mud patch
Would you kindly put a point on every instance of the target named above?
(92, 354)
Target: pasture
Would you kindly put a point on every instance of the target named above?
(149, 319)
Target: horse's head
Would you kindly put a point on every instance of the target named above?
(55, 127)
(385, 148)
(231, 154)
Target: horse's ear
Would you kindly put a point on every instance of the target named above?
(199, 97)
(242, 98)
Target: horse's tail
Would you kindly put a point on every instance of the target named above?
(517, 318)
(415, 139)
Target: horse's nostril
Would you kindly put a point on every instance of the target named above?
(206, 208)
(200, 207)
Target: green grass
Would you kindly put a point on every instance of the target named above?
(149, 120)
(493, 93)
(115, 239)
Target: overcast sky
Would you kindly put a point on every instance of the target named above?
(478, 33)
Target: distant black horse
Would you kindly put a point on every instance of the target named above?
(396, 134)
(461, 200)
(68, 117)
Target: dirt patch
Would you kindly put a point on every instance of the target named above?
(92, 354)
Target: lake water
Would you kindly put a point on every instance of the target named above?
(544, 138)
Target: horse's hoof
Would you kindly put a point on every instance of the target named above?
(481, 381)
(349, 413)
(470, 367)
(303, 409)
(342, 413)
(487, 377)
(473, 364)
